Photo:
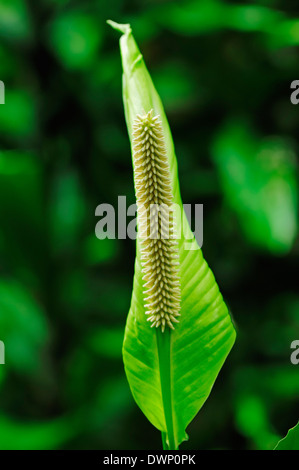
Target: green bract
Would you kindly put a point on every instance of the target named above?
(171, 374)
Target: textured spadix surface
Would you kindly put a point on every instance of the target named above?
(171, 374)
(159, 246)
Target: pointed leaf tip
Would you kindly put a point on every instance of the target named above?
(123, 28)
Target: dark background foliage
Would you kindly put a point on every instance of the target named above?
(223, 70)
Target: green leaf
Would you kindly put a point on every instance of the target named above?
(285, 34)
(75, 38)
(259, 179)
(48, 435)
(193, 17)
(291, 441)
(67, 211)
(251, 417)
(23, 327)
(22, 250)
(18, 116)
(15, 21)
(171, 374)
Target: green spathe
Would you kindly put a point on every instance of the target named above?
(171, 374)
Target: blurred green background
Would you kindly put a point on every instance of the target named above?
(223, 70)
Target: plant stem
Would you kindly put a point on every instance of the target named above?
(164, 345)
(164, 443)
